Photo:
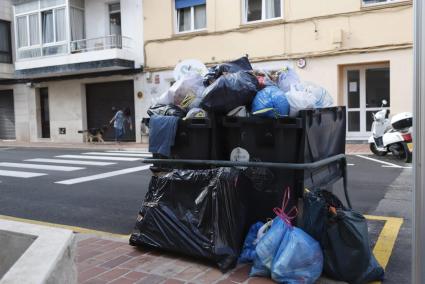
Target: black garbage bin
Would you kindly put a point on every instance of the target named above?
(314, 135)
(193, 141)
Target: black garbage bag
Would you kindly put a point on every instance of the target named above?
(166, 110)
(195, 212)
(230, 91)
(241, 64)
(343, 235)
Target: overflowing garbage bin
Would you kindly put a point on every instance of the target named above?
(227, 154)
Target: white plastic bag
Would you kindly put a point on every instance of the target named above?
(287, 77)
(187, 92)
(164, 99)
(196, 113)
(307, 95)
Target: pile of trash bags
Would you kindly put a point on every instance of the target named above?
(282, 251)
(332, 239)
(230, 89)
(235, 84)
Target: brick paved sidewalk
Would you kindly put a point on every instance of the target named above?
(352, 149)
(114, 261)
(102, 261)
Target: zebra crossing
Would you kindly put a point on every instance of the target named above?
(79, 162)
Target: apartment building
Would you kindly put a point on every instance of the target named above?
(75, 63)
(359, 50)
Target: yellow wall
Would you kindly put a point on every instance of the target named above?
(330, 70)
(307, 30)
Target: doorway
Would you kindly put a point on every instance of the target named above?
(364, 89)
(7, 115)
(103, 100)
(44, 112)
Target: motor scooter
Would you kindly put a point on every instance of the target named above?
(392, 135)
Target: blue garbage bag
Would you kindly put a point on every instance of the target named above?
(299, 258)
(267, 248)
(270, 102)
(287, 77)
(248, 249)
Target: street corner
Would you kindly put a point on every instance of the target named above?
(383, 233)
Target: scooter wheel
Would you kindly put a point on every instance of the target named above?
(406, 155)
(375, 150)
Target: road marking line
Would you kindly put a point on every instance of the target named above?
(379, 161)
(73, 162)
(19, 174)
(387, 238)
(396, 167)
(71, 228)
(130, 152)
(118, 154)
(99, 158)
(351, 164)
(40, 167)
(132, 149)
(104, 175)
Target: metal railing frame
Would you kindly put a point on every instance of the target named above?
(290, 166)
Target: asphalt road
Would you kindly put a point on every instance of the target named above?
(111, 203)
(107, 204)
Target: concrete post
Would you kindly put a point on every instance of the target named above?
(418, 261)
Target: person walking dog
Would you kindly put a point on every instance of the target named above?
(119, 119)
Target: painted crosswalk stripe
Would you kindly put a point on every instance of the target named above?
(133, 150)
(104, 175)
(130, 152)
(70, 162)
(40, 167)
(118, 154)
(17, 174)
(84, 157)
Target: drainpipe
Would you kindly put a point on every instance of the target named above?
(418, 260)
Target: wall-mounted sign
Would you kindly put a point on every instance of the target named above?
(62, 130)
(301, 63)
(352, 87)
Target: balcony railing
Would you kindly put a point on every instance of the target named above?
(100, 43)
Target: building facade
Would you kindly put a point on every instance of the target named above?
(359, 50)
(76, 62)
(67, 65)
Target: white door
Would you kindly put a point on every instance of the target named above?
(364, 88)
